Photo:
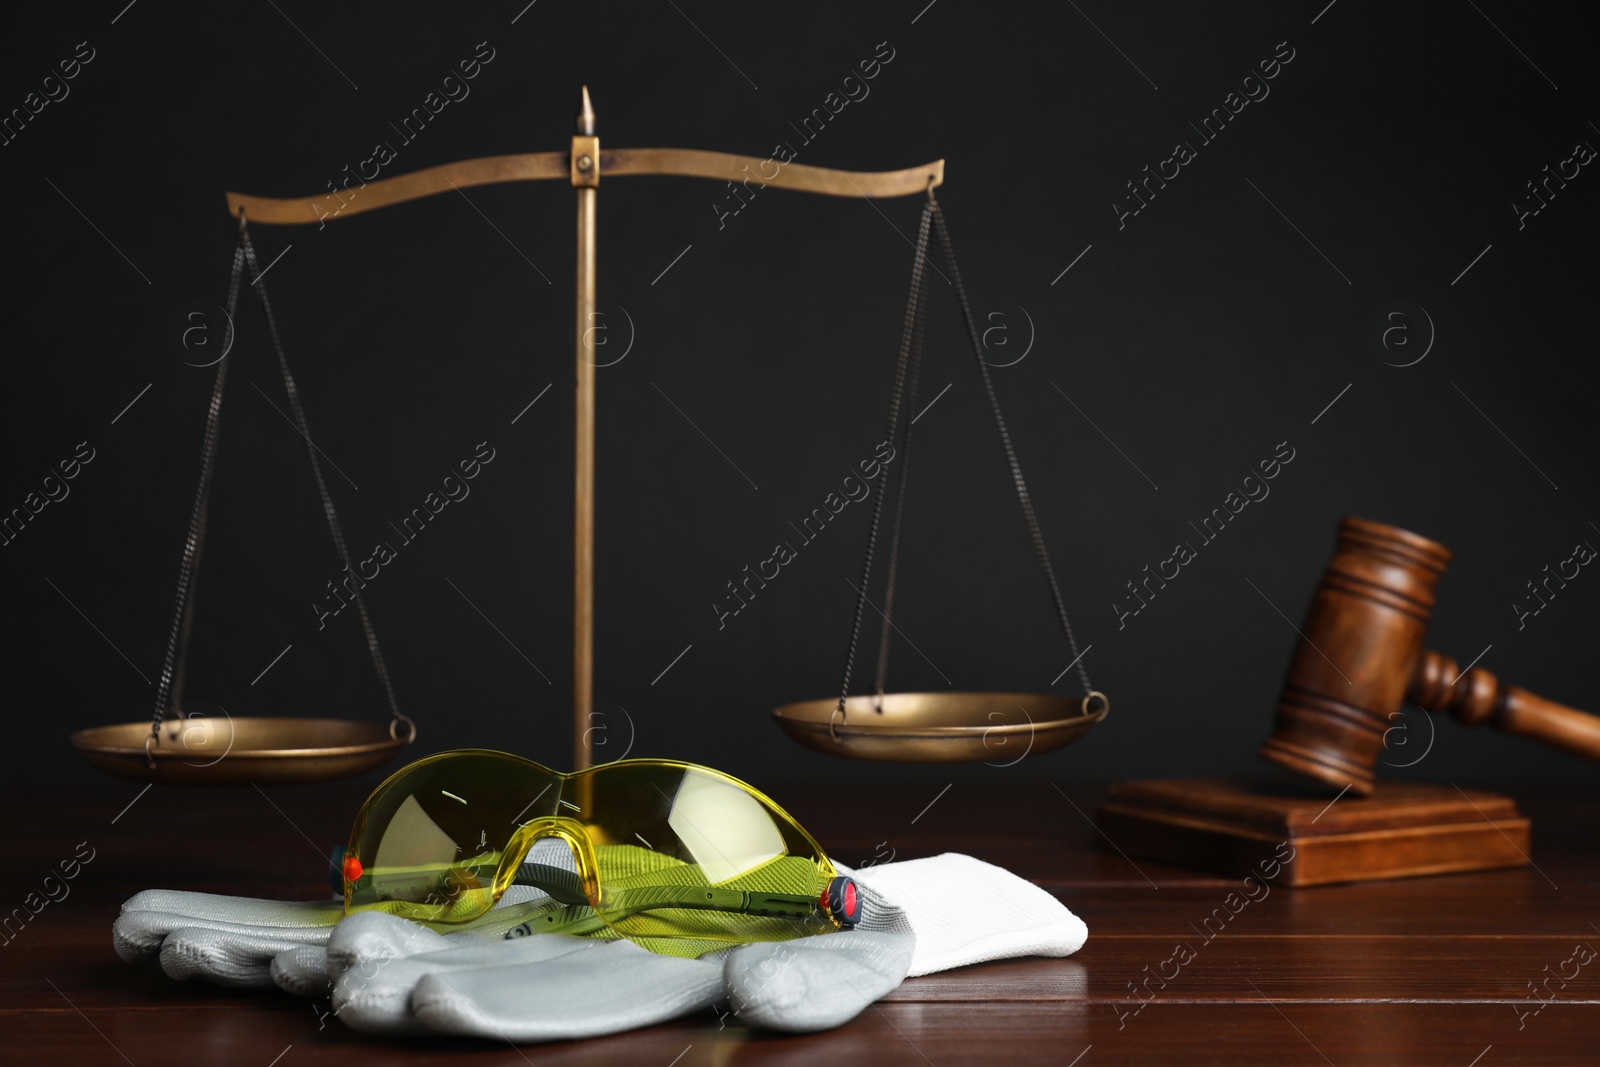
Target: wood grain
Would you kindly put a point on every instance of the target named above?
(1297, 837)
(1425, 971)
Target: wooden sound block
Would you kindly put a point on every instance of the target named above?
(1249, 826)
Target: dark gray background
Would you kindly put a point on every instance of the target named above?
(1197, 338)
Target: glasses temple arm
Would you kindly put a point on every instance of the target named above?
(566, 888)
(637, 899)
(581, 919)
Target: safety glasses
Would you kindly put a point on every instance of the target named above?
(664, 850)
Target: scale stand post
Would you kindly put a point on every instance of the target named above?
(586, 183)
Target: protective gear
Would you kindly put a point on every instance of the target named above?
(249, 943)
(393, 977)
(390, 975)
(967, 911)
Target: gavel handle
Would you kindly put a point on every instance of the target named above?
(1479, 697)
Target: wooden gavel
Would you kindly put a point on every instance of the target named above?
(1360, 656)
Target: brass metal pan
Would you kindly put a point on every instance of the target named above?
(240, 751)
(995, 728)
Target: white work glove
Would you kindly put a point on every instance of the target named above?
(393, 977)
(918, 917)
(967, 911)
(249, 943)
(231, 941)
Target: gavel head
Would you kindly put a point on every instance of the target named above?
(1358, 650)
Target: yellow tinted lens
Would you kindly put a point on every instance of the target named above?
(679, 858)
(685, 852)
(430, 841)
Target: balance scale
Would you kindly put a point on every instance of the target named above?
(181, 749)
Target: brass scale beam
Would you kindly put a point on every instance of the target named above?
(584, 165)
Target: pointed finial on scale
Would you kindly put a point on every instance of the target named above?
(586, 115)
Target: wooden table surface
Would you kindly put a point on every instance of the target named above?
(1437, 970)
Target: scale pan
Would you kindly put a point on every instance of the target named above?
(240, 751)
(997, 728)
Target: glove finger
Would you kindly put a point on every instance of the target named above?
(606, 988)
(375, 935)
(374, 994)
(816, 983)
(302, 970)
(231, 959)
(139, 935)
(248, 910)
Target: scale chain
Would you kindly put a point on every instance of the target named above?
(908, 366)
(886, 630)
(909, 336)
(322, 486)
(1023, 498)
(170, 691)
(169, 694)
